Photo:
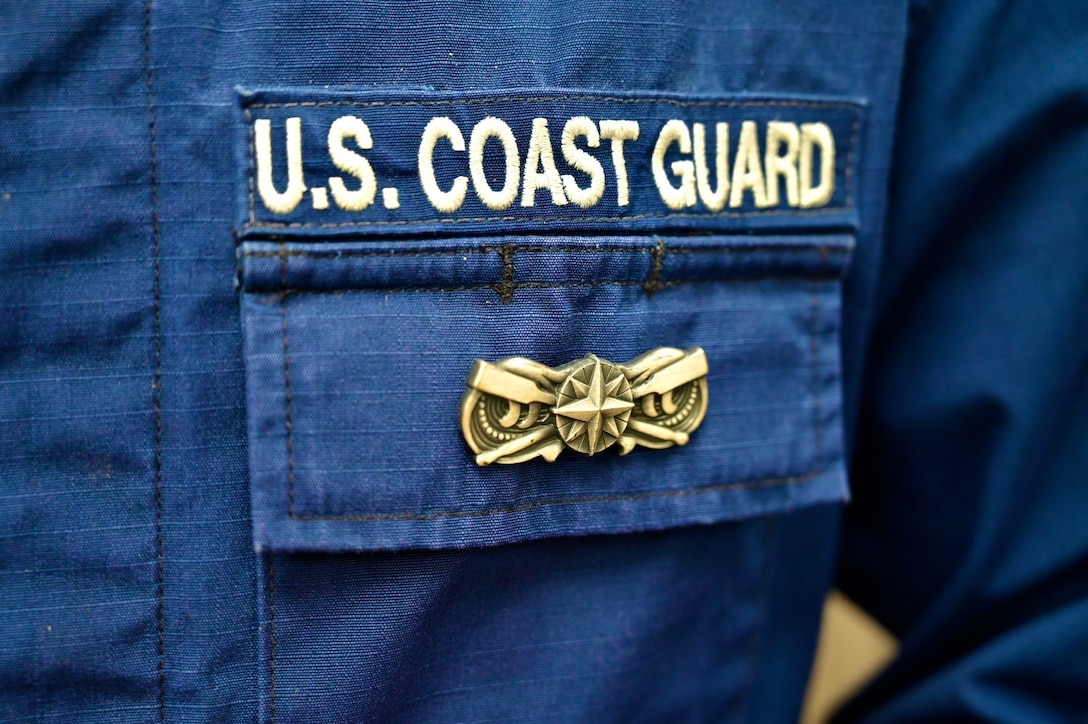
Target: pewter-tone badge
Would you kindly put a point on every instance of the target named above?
(517, 409)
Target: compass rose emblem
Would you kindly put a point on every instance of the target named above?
(593, 407)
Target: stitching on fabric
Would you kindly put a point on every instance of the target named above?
(765, 483)
(465, 288)
(550, 219)
(766, 570)
(766, 249)
(287, 397)
(545, 285)
(251, 169)
(763, 249)
(271, 589)
(657, 255)
(752, 662)
(254, 224)
(814, 350)
(491, 127)
(156, 385)
(506, 287)
(552, 99)
(849, 176)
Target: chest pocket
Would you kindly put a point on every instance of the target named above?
(364, 321)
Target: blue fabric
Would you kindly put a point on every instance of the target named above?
(356, 373)
(130, 588)
(492, 633)
(966, 535)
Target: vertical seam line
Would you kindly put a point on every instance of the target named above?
(506, 287)
(271, 639)
(814, 351)
(766, 571)
(251, 169)
(288, 401)
(156, 386)
(769, 538)
(657, 257)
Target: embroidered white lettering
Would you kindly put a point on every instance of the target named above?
(540, 170)
(350, 162)
(748, 169)
(391, 198)
(714, 199)
(780, 164)
(582, 161)
(274, 201)
(492, 127)
(812, 135)
(445, 201)
(618, 132)
(682, 196)
(783, 164)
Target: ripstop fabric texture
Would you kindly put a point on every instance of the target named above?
(137, 581)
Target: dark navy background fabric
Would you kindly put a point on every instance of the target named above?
(967, 533)
(395, 120)
(129, 586)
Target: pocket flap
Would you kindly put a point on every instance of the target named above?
(358, 354)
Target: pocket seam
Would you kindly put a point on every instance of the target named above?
(817, 466)
(506, 286)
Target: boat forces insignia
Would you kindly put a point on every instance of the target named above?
(516, 409)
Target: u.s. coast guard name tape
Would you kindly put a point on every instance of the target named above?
(413, 161)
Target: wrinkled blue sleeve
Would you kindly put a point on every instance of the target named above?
(967, 533)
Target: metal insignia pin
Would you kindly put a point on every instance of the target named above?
(516, 409)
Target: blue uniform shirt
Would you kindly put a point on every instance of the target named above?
(250, 253)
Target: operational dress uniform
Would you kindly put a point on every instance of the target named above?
(459, 362)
